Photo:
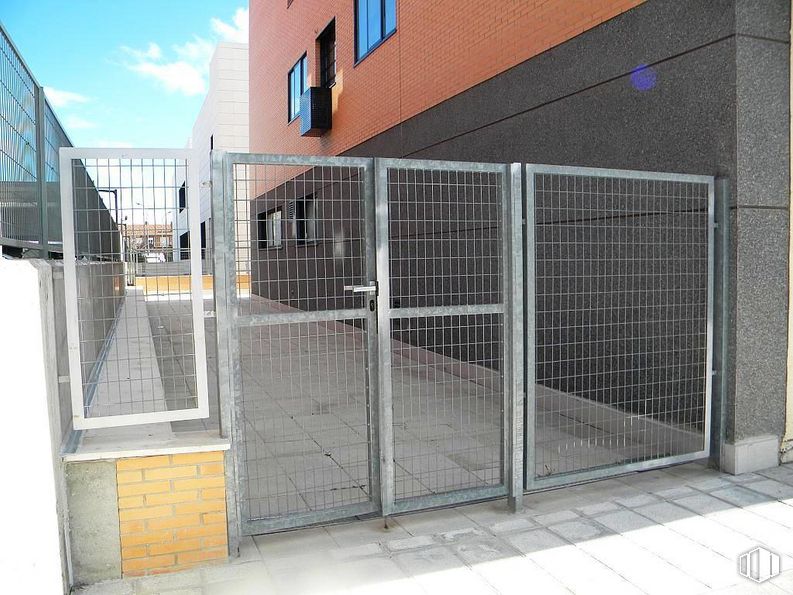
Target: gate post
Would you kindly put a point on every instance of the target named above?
(513, 339)
(720, 291)
(529, 336)
(385, 411)
(41, 171)
(223, 279)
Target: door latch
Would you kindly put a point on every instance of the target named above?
(371, 288)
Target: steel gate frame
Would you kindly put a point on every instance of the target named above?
(228, 321)
(518, 287)
(532, 482)
(510, 309)
(80, 422)
(378, 342)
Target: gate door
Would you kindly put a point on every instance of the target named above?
(294, 288)
(446, 307)
(619, 321)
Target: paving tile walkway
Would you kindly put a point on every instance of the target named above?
(678, 530)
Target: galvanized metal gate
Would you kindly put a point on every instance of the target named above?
(371, 332)
(363, 308)
(619, 321)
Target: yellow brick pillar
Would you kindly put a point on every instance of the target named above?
(172, 512)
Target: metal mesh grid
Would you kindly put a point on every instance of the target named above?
(135, 330)
(448, 403)
(305, 426)
(304, 397)
(445, 234)
(445, 251)
(54, 139)
(300, 241)
(621, 320)
(19, 192)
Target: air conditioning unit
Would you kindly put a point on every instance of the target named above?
(316, 111)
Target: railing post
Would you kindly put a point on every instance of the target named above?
(529, 336)
(41, 157)
(721, 315)
(385, 413)
(513, 326)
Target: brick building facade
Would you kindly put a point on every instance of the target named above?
(695, 87)
(432, 56)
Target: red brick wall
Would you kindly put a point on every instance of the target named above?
(440, 49)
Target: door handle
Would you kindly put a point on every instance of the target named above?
(371, 288)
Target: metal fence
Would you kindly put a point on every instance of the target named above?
(136, 342)
(620, 315)
(364, 308)
(371, 333)
(30, 137)
(373, 356)
(445, 303)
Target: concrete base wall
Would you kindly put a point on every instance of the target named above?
(93, 522)
(750, 455)
(32, 556)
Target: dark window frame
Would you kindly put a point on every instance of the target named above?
(326, 65)
(384, 35)
(264, 223)
(305, 222)
(302, 65)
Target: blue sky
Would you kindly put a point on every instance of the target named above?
(123, 73)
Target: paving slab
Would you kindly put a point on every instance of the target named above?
(675, 539)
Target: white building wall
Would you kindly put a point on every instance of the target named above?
(223, 118)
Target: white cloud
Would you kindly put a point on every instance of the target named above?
(152, 52)
(59, 98)
(187, 72)
(77, 123)
(237, 31)
(174, 76)
(199, 50)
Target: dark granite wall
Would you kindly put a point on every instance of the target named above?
(713, 98)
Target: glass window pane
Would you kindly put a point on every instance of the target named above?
(361, 28)
(293, 93)
(390, 16)
(304, 78)
(375, 23)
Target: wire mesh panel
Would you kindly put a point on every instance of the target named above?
(135, 343)
(54, 139)
(622, 319)
(19, 192)
(297, 241)
(446, 310)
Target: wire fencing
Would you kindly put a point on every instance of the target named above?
(30, 137)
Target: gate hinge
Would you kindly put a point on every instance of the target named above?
(209, 314)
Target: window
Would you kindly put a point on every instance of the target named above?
(375, 20)
(298, 83)
(183, 196)
(327, 56)
(306, 220)
(269, 228)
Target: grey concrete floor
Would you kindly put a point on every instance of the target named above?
(306, 420)
(677, 530)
